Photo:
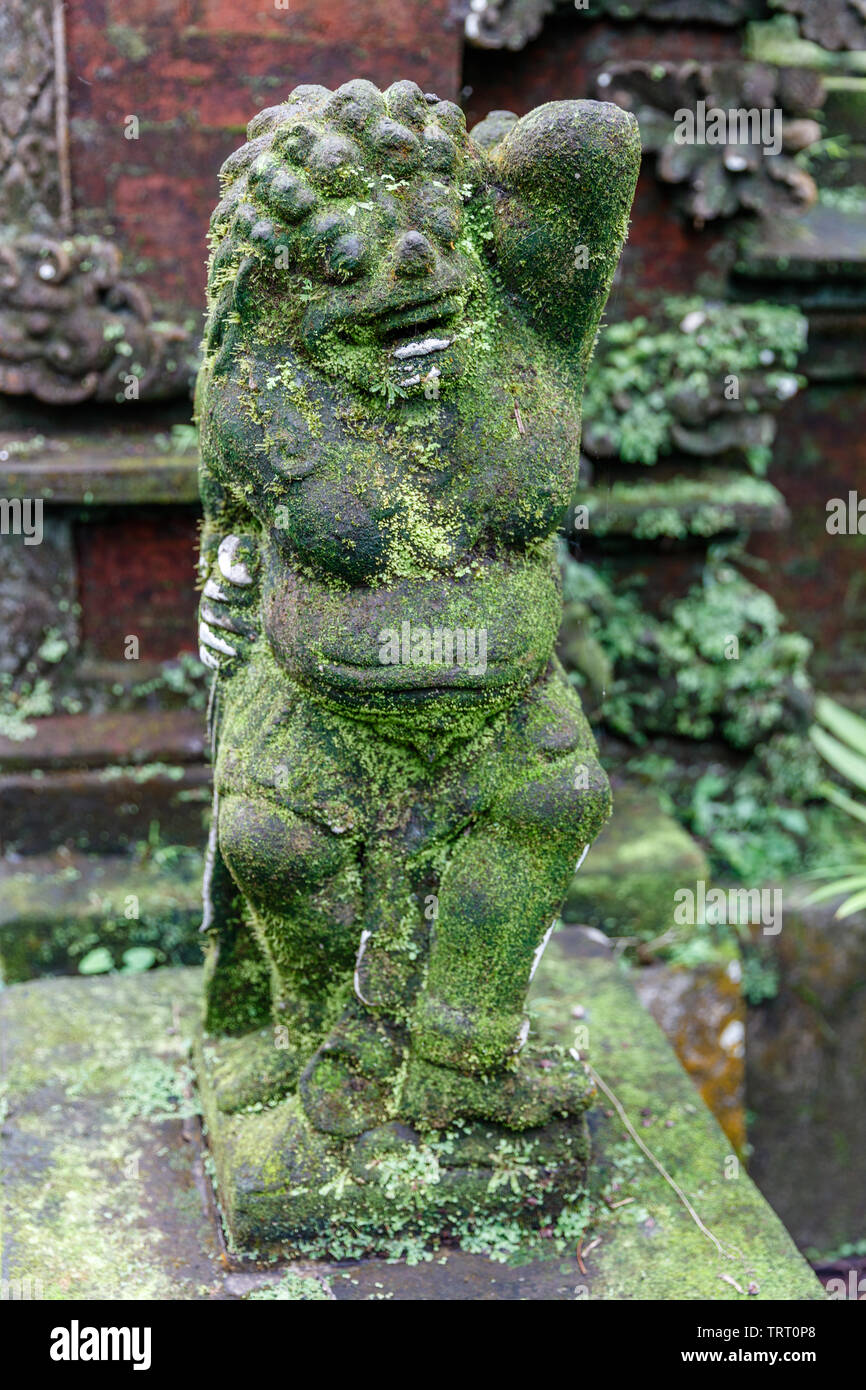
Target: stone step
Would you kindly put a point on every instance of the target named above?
(813, 251)
(66, 741)
(626, 889)
(88, 477)
(710, 502)
(57, 909)
(100, 783)
(109, 810)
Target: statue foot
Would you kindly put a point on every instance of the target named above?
(250, 1069)
(535, 1093)
(348, 1084)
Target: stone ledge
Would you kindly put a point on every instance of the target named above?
(104, 810)
(824, 243)
(65, 741)
(55, 908)
(84, 478)
(711, 502)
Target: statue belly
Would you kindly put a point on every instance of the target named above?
(475, 640)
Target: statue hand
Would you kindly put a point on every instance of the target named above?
(563, 178)
(226, 630)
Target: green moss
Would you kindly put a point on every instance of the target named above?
(90, 1229)
(627, 885)
(91, 1120)
(129, 41)
(654, 1249)
(292, 1287)
(715, 502)
(395, 1191)
(644, 369)
(20, 704)
(716, 662)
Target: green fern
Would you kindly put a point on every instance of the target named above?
(840, 737)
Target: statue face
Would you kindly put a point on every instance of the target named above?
(348, 208)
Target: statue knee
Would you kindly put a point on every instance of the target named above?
(273, 853)
(564, 805)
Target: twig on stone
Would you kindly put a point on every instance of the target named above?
(729, 1280)
(728, 1253)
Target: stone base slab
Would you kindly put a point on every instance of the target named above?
(105, 1178)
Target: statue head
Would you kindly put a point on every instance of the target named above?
(343, 231)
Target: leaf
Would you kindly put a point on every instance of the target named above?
(839, 885)
(840, 798)
(852, 905)
(837, 870)
(137, 958)
(96, 962)
(842, 722)
(839, 756)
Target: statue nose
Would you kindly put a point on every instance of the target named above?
(415, 255)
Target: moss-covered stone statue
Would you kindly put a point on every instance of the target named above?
(401, 317)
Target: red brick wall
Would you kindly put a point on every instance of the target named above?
(136, 577)
(194, 72)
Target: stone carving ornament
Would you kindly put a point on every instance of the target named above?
(714, 176)
(835, 24)
(514, 23)
(73, 328)
(400, 320)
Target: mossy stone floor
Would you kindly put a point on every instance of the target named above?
(105, 1190)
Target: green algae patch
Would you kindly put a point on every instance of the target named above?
(651, 1248)
(101, 1203)
(98, 1180)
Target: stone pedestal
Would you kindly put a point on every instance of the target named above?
(107, 1194)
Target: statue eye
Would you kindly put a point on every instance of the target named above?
(438, 215)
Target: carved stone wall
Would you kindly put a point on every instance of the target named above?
(835, 24)
(29, 179)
